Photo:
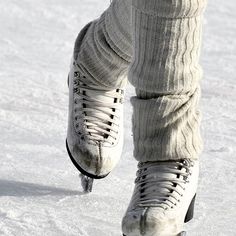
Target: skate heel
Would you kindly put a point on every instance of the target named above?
(190, 212)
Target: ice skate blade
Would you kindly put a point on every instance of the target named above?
(82, 170)
(87, 183)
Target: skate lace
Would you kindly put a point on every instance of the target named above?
(161, 184)
(99, 109)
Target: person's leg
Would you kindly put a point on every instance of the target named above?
(165, 72)
(164, 37)
(103, 49)
(97, 81)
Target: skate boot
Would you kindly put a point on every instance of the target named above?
(95, 127)
(163, 198)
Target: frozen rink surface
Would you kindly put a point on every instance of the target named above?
(40, 192)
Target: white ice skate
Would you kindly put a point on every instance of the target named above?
(95, 127)
(163, 198)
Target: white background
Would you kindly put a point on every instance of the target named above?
(40, 191)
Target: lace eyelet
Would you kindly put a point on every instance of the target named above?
(137, 179)
(139, 172)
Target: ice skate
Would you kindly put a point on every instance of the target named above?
(163, 198)
(95, 127)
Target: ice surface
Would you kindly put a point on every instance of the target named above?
(40, 192)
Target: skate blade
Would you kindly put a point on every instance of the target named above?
(87, 183)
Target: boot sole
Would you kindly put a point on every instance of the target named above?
(80, 168)
(188, 216)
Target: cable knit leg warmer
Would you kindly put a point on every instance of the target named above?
(103, 48)
(165, 72)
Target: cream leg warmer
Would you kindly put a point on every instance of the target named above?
(160, 41)
(165, 72)
(103, 48)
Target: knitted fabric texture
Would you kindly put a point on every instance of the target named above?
(158, 43)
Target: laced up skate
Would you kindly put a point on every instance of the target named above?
(95, 134)
(163, 198)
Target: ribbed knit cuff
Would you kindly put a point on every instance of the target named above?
(171, 8)
(98, 57)
(167, 127)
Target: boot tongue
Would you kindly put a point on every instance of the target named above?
(99, 96)
(162, 169)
